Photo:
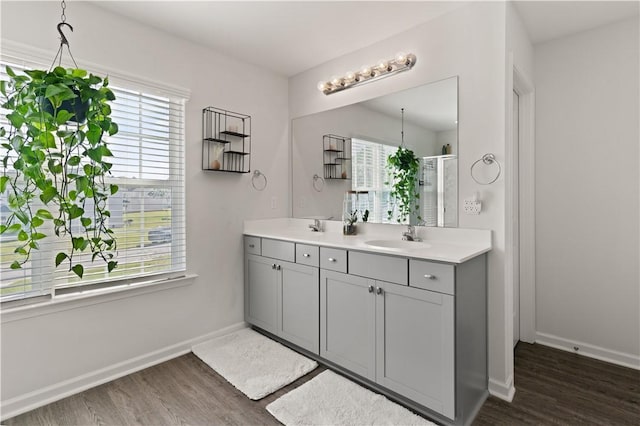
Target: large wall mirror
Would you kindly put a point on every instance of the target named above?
(371, 130)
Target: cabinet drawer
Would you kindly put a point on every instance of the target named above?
(252, 245)
(333, 259)
(379, 267)
(283, 250)
(432, 276)
(308, 255)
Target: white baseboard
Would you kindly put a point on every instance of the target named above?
(502, 390)
(591, 351)
(31, 400)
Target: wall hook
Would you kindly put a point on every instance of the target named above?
(318, 183)
(487, 159)
(257, 174)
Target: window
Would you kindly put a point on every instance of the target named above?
(147, 213)
(369, 174)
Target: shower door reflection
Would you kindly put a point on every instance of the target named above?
(438, 190)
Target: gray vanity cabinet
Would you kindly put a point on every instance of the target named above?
(415, 351)
(281, 297)
(298, 315)
(399, 337)
(347, 322)
(409, 327)
(261, 292)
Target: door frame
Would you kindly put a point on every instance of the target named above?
(515, 214)
(526, 197)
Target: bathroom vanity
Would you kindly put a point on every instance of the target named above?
(406, 319)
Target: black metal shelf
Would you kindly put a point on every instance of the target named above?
(222, 171)
(236, 134)
(216, 140)
(335, 152)
(226, 141)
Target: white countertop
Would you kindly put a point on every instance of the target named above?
(452, 245)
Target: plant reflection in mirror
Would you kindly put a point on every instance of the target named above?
(403, 167)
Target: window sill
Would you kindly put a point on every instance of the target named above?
(81, 300)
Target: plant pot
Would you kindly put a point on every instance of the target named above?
(349, 229)
(74, 106)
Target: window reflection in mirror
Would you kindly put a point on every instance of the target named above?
(374, 126)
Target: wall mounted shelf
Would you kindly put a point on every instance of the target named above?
(226, 141)
(336, 155)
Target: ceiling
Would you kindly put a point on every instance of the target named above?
(286, 37)
(548, 20)
(291, 37)
(432, 106)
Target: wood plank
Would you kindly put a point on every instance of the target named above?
(553, 387)
(558, 387)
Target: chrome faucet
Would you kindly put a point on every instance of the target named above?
(317, 226)
(410, 234)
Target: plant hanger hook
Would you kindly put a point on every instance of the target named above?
(402, 131)
(63, 39)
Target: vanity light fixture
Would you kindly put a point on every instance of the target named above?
(384, 68)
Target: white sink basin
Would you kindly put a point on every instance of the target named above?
(398, 244)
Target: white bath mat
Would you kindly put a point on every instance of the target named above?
(253, 363)
(330, 399)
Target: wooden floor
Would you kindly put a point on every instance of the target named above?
(553, 387)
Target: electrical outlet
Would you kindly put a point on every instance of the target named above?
(274, 202)
(472, 207)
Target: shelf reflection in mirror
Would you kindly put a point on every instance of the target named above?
(431, 131)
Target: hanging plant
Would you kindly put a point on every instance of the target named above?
(403, 167)
(54, 168)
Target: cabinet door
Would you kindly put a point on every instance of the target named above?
(261, 293)
(298, 320)
(347, 322)
(415, 345)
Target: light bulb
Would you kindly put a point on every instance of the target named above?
(350, 77)
(383, 65)
(336, 81)
(365, 71)
(322, 86)
(401, 58)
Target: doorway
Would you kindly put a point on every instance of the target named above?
(522, 219)
(516, 218)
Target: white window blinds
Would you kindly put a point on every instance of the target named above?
(147, 213)
(369, 160)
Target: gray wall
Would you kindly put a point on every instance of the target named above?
(46, 354)
(587, 187)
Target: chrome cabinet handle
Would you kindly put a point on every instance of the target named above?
(278, 267)
(370, 289)
(306, 255)
(252, 245)
(273, 266)
(331, 259)
(379, 290)
(429, 276)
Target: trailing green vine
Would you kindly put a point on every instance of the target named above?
(403, 167)
(53, 168)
